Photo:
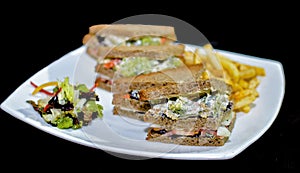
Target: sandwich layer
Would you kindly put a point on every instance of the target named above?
(132, 66)
(182, 74)
(206, 111)
(179, 78)
(187, 124)
(202, 137)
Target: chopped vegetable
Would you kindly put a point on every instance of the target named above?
(69, 106)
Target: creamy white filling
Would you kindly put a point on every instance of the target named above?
(208, 106)
(223, 131)
(132, 66)
(112, 40)
(102, 76)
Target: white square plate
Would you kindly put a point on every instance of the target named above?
(125, 137)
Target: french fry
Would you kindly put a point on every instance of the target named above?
(227, 78)
(231, 69)
(242, 93)
(188, 57)
(213, 63)
(213, 59)
(244, 102)
(242, 67)
(253, 83)
(236, 87)
(198, 57)
(245, 109)
(260, 71)
(243, 83)
(247, 74)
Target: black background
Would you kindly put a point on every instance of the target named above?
(38, 34)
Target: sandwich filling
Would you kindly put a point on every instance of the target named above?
(127, 67)
(221, 132)
(211, 105)
(208, 105)
(112, 40)
(205, 104)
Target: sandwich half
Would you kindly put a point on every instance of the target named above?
(183, 105)
(125, 50)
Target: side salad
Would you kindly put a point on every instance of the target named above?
(67, 106)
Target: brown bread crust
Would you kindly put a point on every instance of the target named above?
(86, 38)
(193, 141)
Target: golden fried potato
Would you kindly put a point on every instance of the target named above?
(244, 101)
(231, 68)
(188, 57)
(253, 83)
(260, 71)
(248, 73)
(243, 83)
(244, 109)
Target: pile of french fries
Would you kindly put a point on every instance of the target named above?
(243, 78)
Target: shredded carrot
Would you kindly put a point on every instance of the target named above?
(94, 86)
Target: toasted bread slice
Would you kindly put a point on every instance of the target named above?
(158, 79)
(174, 81)
(133, 30)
